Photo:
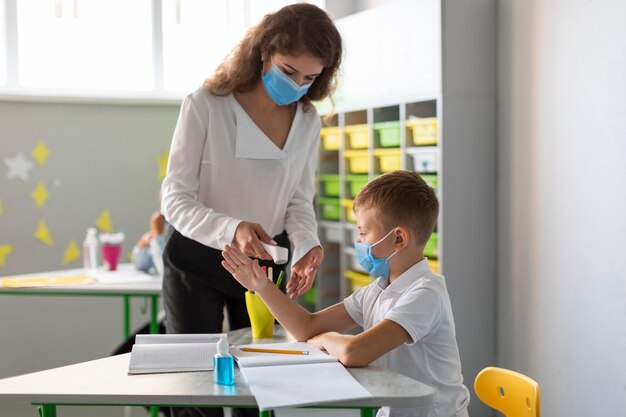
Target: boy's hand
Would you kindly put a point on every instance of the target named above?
(246, 271)
(304, 271)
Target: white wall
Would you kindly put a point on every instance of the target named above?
(562, 201)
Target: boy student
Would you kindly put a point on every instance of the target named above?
(405, 313)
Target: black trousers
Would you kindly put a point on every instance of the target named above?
(196, 288)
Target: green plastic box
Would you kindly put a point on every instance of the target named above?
(356, 182)
(388, 134)
(432, 246)
(330, 208)
(330, 184)
(432, 180)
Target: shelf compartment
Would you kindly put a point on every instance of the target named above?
(425, 159)
(347, 205)
(331, 234)
(330, 208)
(358, 161)
(358, 279)
(357, 136)
(330, 184)
(330, 138)
(388, 159)
(423, 130)
(431, 250)
(388, 134)
(355, 183)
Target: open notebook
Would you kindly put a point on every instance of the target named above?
(159, 353)
(252, 359)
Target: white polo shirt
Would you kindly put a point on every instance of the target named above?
(223, 170)
(418, 301)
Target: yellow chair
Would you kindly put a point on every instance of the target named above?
(511, 393)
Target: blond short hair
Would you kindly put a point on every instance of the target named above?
(401, 198)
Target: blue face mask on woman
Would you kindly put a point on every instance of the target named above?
(376, 267)
(282, 89)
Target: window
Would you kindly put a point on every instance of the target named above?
(119, 48)
(85, 44)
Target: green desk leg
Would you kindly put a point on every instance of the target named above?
(265, 413)
(368, 412)
(154, 307)
(126, 317)
(47, 410)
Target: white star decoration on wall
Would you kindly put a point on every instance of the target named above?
(18, 167)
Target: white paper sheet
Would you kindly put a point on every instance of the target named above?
(303, 384)
(248, 359)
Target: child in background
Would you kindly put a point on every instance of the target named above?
(147, 255)
(405, 313)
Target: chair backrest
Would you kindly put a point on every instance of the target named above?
(511, 393)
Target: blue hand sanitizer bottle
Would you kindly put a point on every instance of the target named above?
(223, 364)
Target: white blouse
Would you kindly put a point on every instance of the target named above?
(223, 170)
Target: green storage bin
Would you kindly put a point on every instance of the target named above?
(432, 180)
(432, 246)
(330, 184)
(330, 208)
(356, 182)
(310, 297)
(388, 134)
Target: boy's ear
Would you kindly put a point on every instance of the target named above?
(402, 236)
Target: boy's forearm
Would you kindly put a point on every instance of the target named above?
(294, 318)
(343, 347)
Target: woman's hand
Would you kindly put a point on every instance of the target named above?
(304, 271)
(246, 271)
(248, 237)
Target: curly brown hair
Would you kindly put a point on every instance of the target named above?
(292, 30)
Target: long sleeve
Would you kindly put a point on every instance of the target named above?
(181, 185)
(300, 221)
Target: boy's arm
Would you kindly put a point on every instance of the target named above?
(362, 349)
(300, 323)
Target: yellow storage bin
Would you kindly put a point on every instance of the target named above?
(358, 161)
(434, 266)
(358, 280)
(423, 130)
(347, 204)
(357, 136)
(330, 138)
(388, 159)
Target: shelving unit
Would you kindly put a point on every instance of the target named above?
(357, 146)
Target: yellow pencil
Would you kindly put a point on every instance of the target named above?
(285, 351)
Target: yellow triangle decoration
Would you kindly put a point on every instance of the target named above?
(40, 194)
(41, 153)
(104, 221)
(162, 162)
(71, 253)
(5, 250)
(43, 233)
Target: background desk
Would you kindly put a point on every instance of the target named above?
(150, 290)
(105, 382)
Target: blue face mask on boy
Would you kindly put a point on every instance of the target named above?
(377, 267)
(282, 89)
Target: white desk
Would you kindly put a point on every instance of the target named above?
(105, 382)
(150, 287)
